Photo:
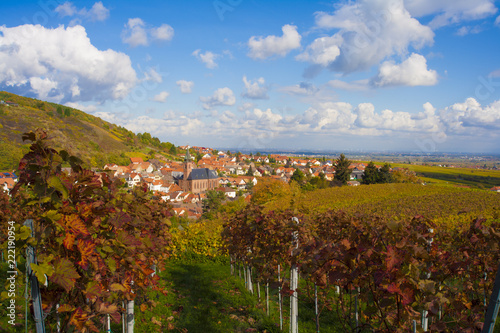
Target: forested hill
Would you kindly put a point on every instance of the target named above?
(94, 140)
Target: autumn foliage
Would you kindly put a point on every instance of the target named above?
(395, 268)
(95, 241)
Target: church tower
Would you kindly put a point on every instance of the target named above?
(188, 167)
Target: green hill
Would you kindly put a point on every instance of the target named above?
(94, 140)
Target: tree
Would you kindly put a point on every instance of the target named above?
(342, 171)
(67, 112)
(173, 150)
(212, 202)
(59, 110)
(371, 175)
(250, 171)
(319, 182)
(298, 176)
(385, 175)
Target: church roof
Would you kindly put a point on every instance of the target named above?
(203, 173)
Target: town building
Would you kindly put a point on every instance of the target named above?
(197, 180)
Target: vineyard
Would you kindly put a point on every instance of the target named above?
(386, 257)
(95, 245)
(374, 258)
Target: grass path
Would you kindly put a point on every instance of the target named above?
(203, 297)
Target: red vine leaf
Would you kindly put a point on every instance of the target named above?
(65, 274)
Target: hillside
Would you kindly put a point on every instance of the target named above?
(94, 140)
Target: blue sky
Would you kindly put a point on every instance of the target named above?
(406, 75)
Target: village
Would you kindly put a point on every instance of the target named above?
(184, 182)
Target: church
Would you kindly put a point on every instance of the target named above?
(197, 180)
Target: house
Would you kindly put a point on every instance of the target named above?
(7, 184)
(197, 180)
(133, 179)
(353, 183)
(228, 192)
(136, 160)
(9, 103)
(179, 211)
(357, 174)
(495, 189)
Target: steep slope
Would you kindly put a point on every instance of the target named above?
(94, 140)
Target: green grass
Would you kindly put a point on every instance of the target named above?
(202, 297)
(205, 297)
(462, 176)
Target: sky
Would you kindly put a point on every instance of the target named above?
(362, 75)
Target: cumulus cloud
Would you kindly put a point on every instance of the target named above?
(411, 72)
(185, 86)
(163, 32)
(448, 12)
(222, 96)
(97, 13)
(161, 97)
(208, 58)
(255, 89)
(61, 64)
(369, 32)
(471, 117)
(265, 47)
(136, 33)
(256, 127)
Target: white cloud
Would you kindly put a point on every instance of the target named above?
(322, 51)
(470, 118)
(448, 12)
(97, 13)
(359, 85)
(163, 32)
(301, 89)
(208, 58)
(185, 86)
(255, 89)
(466, 30)
(411, 72)
(62, 59)
(335, 123)
(82, 107)
(66, 9)
(161, 97)
(136, 33)
(246, 106)
(262, 48)
(152, 75)
(222, 96)
(370, 31)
